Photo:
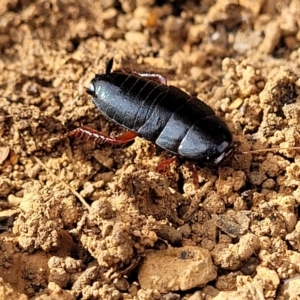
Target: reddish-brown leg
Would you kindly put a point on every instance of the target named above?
(195, 176)
(165, 163)
(89, 133)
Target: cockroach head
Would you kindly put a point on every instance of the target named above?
(91, 90)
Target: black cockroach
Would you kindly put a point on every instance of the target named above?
(160, 113)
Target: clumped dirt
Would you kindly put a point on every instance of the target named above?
(80, 221)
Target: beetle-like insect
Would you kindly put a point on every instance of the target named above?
(160, 113)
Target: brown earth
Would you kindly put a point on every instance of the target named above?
(81, 221)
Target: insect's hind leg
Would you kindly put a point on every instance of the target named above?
(149, 75)
(98, 137)
(165, 163)
(154, 77)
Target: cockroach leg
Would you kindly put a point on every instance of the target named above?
(89, 133)
(195, 176)
(125, 137)
(165, 163)
(154, 77)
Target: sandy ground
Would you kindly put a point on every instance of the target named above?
(80, 221)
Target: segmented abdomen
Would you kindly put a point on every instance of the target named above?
(162, 114)
(137, 103)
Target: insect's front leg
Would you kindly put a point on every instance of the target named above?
(98, 137)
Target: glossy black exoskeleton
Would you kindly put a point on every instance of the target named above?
(160, 113)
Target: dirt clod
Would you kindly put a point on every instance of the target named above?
(192, 266)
